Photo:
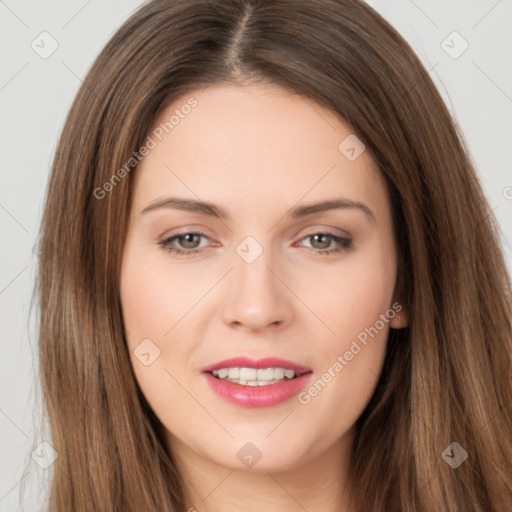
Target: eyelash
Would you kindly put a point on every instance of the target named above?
(344, 243)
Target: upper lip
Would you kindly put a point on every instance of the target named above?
(265, 362)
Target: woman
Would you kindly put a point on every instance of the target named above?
(275, 280)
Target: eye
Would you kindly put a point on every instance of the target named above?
(322, 241)
(187, 243)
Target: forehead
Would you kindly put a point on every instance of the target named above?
(252, 144)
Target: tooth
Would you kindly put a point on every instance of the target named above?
(279, 373)
(222, 373)
(248, 373)
(265, 374)
(252, 382)
(234, 373)
(262, 376)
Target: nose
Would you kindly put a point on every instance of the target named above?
(257, 296)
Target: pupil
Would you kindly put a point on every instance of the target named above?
(188, 240)
(325, 244)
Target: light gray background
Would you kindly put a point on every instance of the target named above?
(36, 93)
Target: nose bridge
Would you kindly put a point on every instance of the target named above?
(252, 273)
(257, 297)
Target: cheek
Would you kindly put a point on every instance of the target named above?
(150, 307)
(159, 301)
(350, 297)
(344, 384)
(357, 307)
(154, 296)
(147, 303)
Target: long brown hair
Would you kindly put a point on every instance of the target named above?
(446, 378)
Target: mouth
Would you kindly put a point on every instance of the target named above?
(247, 376)
(263, 383)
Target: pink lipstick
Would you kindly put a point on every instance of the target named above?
(270, 381)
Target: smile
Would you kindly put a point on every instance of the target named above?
(254, 376)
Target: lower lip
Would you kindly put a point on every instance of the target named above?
(257, 396)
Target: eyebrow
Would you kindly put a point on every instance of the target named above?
(212, 210)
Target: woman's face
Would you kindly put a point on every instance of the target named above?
(250, 276)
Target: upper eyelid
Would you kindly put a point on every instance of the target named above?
(335, 231)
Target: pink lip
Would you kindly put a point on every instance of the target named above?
(256, 396)
(266, 362)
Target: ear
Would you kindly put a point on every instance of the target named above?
(401, 318)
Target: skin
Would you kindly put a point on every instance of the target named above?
(257, 151)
